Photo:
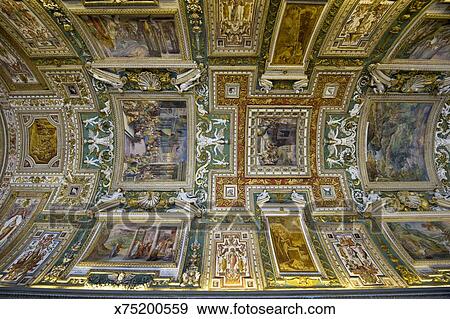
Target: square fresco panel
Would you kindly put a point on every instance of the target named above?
(429, 41)
(277, 141)
(155, 140)
(396, 141)
(134, 243)
(423, 241)
(131, 36)
(289, 244)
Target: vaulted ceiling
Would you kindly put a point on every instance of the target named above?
(232, 145)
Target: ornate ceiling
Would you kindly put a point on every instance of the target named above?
(218, 146)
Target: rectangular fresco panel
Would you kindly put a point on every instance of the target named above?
(131, 36)
(28, 25)
(31, 259)
(235, 20)
(362, 21)
(423, 241)
(295, 32)
(356, 259)
(231, 260)
(235, 27)
(16, 214)
(429, 41)
(14, 66)
(289, 244)
(155, 140)
(396, 141)
(136, 243)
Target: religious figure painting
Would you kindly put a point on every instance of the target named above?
(27, 25)
(43, 141)
(133, 36)
(292, 253)
(232, 260)
(362, 21)
(235, 20)
(155, 140)
(33, 257)
(277, 141)
(356, 259)
(429, 41)
(295, 31)
(423, 240)
(134, 243)
(396, 141)
(16, 215)
(14, 66)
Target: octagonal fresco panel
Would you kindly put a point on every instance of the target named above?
(43, 141)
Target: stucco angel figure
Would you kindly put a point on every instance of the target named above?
(189, 79)
(118, 194)
(266, 85)
(334, 141)
(186, 197)
(370, 199)
(298, 198)
(379, 80)
(94, 141)
(263, 197)
(218, 140)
